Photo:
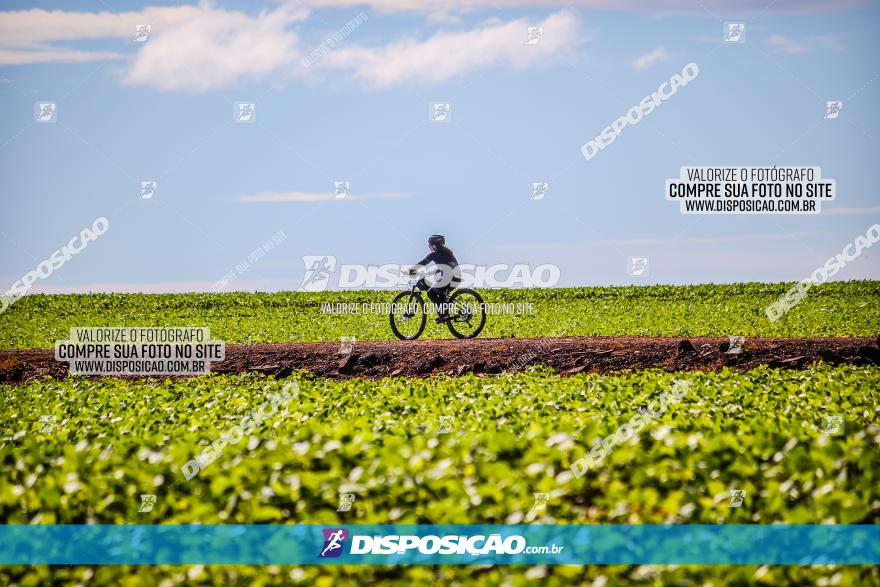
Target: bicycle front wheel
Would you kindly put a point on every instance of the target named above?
(408, 315)
(467, 313)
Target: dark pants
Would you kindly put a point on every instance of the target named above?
(438, 295)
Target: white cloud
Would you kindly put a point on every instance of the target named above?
(447, 54)
(201, 48)
(21, 56)
(314, 197)
(702, 8)
(783, 44)
(29, 36)
(657, 55)
(191, 48)
(215, 48)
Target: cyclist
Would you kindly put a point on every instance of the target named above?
(446, 277)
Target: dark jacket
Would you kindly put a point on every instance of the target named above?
(443, 256)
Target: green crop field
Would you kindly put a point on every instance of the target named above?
(842, 308)
(446, 450)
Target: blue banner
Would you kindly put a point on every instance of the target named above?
(372, 544)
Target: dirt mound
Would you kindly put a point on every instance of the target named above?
(456, 357)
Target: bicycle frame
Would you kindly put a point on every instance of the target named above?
(455, 314)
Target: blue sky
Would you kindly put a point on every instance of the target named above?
(163, 110)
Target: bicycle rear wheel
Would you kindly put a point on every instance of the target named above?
(467, 313)
(408, 315)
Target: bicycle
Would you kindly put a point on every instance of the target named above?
(409, 312)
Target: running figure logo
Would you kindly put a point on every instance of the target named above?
(141, 33)
(340, 189)
(148, 190)
(346, 345)
(534, 35)
(737, 497)
(832, 109)
(147, 503)
(245, 112)
(333, 541)
(735, 344)
(45, 112)
(735, 32)
(441, 112)
(47, 422)
(318, 269)
(346, 500)
(832, 425)
(541, 500)
(539, 189)
(638, 266)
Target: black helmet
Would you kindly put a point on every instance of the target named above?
(437, 240)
